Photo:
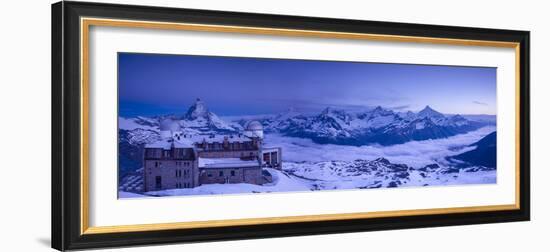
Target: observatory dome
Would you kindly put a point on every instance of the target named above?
(254, 129)
(254, 125)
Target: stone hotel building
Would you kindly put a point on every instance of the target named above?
(185, 161)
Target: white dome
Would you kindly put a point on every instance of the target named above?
(254, 129)
(169, 125)
(254, 125)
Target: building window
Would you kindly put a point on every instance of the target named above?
(232, 173)
(158, 182)
(221, 173)
(274, 158)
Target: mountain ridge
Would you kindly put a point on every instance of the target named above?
(329, 126)
(335, 126)
(484, 154)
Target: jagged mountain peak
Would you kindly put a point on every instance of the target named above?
(409, 114)
(429, 112)
(378, 111)
(200, 118)
(381, 110)
(327, 110)
(458, 117)
(291, 112)
(197, 110)
(334, 111)
(331, 112)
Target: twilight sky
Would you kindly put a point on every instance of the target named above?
(153, 84)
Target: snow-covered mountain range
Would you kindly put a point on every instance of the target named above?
(376, 126)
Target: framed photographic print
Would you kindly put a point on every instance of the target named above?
(180, 125)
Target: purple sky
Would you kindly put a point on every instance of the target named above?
(152, 84)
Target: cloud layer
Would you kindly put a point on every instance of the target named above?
(414, 153)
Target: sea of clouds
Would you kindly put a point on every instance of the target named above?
(415, 153)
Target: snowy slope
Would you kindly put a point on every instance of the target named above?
(282, 182)
(341, 175)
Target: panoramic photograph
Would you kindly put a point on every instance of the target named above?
(210, 125)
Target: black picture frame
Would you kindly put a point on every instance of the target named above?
(66, 124)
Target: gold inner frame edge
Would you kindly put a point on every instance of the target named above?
(85, 24)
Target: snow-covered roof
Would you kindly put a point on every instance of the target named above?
(164, 144)
(226, 163)
(219, 138)
(182, 140)
(271, 149)
(167, 144)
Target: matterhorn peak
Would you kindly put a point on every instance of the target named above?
(198, 109)
(327, 111)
